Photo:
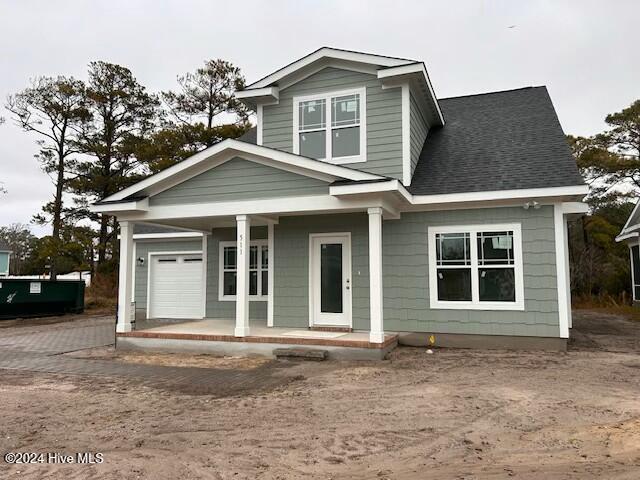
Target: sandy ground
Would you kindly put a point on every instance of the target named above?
(463, 414)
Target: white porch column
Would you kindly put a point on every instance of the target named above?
(376, 334)
(270, 266)
(561, 270)
(125, 278)
(243, 224)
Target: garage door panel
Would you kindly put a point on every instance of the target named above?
(176, 286)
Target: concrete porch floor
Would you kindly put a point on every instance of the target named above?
(216, 336)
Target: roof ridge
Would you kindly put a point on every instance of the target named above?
(531, 87)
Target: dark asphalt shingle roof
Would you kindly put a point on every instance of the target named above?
(496, 141)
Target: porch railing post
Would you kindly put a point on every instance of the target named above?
(125, 280)
(376, 334)
(243, 224)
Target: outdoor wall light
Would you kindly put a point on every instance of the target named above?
(533, 204)
(140, 261)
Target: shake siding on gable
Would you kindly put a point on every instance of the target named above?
(384, 118)
(418, 130)
(239, 179)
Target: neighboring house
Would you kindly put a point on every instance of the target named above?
(5, 257)
(630, 234)
(363, 203)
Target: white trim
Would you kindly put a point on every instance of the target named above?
(561, 273)
(327, 96)
(330, 53)
(475, 303)
(259, 123)
(233, 148)
(500, 195)
(205, 262)
(270, 272)
(633, 212)
(376, 307)
(243, 238)
(567, 269)
(168, 235)
(633, 280)
(406, 135)
(232, 298)
(414, 68)
(627, 236)
(159, 253)
(266, 94)
(124, 316)
(132, 206)
(133, 271)
(348, 296)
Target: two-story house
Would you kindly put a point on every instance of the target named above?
(362, 209)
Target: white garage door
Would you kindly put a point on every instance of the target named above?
(175, 288)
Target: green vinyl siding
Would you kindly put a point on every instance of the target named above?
(417, 132)
(143, 248)
(4, 263)
(227, 309)
(239, 179)
(406, 275)
(384, 117)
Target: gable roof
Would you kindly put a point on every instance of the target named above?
(202, 161)
(496, 141)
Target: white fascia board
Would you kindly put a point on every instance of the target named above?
(413, 69)
(332, 53)
(259, 95)
(633, 212)
(627, 236)
(133, 206)
(243, 147)
(501, 195)
(166, 235)
(575, 208)
(375, 187)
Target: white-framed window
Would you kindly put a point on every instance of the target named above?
(634, 251)
(331, 126)
(258, 270)
(476, 267)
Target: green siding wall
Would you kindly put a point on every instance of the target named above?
(240, 179)
(417, 132)
(406, 276)
(143, 247)
(384, 117)
(291, 273)
(226, 309)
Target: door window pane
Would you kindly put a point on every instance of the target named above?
(345, 142)
(313, 144)
(312, 114)
(229, 283)
(253, 257)
(331, 278)
(265, 282)
(454, 284)
(346, 110)
(265, 257)
(497, 285)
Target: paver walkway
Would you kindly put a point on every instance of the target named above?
(40, 349)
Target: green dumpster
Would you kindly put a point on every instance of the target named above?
(37, 298)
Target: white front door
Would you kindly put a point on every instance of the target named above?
(330, 288)
(175, 286)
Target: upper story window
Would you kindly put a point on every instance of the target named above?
(331, 126)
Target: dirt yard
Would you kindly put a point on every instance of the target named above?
(463, 414)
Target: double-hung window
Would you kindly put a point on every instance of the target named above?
(258, 270)
(476, 267)
(331, 126)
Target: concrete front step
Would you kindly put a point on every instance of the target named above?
(301, 353)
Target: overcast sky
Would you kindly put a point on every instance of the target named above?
(585, 52)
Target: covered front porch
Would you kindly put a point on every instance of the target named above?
(218, 336)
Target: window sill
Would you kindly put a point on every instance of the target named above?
(490, 306)
(252, 298)
(344, 160)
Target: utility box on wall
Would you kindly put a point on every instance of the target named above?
(31, 298)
